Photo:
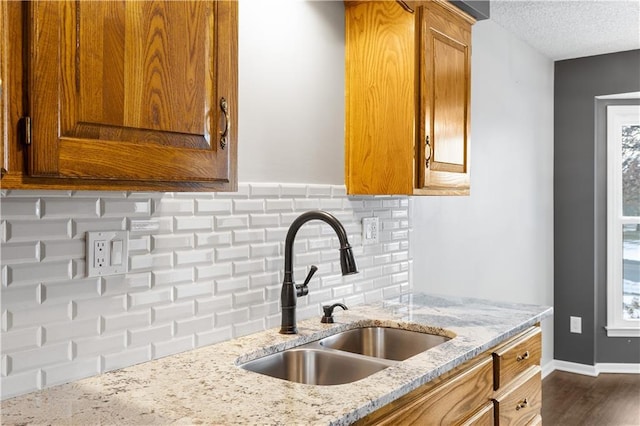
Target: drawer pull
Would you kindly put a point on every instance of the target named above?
(523, 356)
(522, 404)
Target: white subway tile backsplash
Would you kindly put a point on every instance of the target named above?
(264, 190)
(19, 230)
(171, 347)
(231, 285)
(203, 268)
(149, 298)
(282, 205)
(232, 253)
(102, 345)
(91, 308)
(74, 370)
(248, 206)
(213, 304)
(41, 315)
(223, 319)
(146, 336)
(319, 191)
(112, 323)
(264, 220)
(17, 384)
(213, 207)
(213, 239)
(60, 207)
(163, 314)
(59, 292)
(26, 338)
(199, 223)
(125, 358)
(171, 242)
(231, 222)
(191, 257)
(168, 206)
(129, 208)
(194, 325)
(216, 335)
(30, 359)
(186, 291)
(22, 208)
(79, 227)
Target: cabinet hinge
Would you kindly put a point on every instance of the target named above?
(26, 130)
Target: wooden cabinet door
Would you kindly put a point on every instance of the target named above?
(445, 58)
(133, 90)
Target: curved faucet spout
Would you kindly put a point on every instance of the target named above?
(288, 295)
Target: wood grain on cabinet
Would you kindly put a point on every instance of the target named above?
(407, 80)
(482, 417)
(122, 95)
(516, 356)
(381, 97)
(466, 396)
(448, 400)
(445, 56)
(521, 401)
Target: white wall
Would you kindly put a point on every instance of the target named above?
(498, 242)
(291, 94)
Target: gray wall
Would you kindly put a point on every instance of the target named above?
(579, 210)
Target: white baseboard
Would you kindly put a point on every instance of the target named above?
(589, 370)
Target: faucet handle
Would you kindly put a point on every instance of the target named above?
(327, 318)
(303, 289)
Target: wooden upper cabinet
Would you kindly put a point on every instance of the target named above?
(131, 94)
(407, 98)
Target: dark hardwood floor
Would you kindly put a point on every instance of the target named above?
(607, 400)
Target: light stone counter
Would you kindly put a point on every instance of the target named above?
(205, 386)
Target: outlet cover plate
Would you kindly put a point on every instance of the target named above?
(101, 264)
(575, 325)
(370, 230)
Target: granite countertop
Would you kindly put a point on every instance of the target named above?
(206, 386)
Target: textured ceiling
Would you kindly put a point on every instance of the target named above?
(564, 29)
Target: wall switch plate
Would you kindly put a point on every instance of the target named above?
(575, 325)
(370, 230)
(107, 253)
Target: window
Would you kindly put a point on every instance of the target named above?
(623, 220)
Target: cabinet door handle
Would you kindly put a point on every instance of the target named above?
(523, 356)
(427, 151)
(224, 106)
(522, 404)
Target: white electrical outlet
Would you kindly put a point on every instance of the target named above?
(370, 230)
(107, 253)
(575, 325)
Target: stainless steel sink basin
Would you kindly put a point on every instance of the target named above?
(314, 366)
(382, 342)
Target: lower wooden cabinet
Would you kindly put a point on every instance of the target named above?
(500, 387)
(521, 401)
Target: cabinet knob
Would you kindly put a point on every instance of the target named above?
(427, 151)
(523, 356)
(224, 106)
(522, 404)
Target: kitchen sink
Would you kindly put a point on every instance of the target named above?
(314, 366)
(382, 342)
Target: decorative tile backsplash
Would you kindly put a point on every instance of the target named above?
(209, 270)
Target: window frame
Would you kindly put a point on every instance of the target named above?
(617, 326)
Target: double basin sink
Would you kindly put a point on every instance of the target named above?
(345, 357)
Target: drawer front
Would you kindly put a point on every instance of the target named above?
(482, 417)
(516, 356)
(449, 403)
(521, 401)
